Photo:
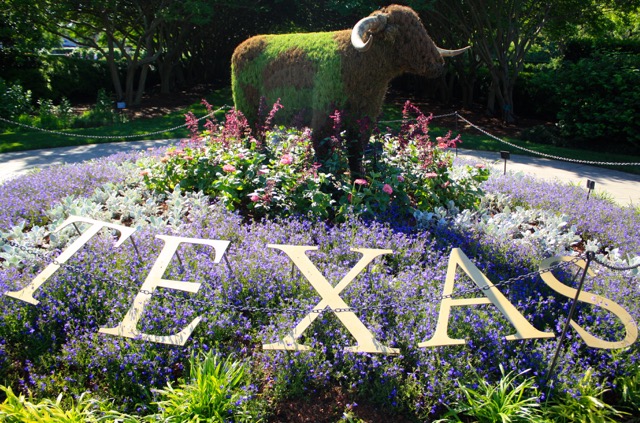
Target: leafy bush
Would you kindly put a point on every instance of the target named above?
(14, 100)
(509, 400)
(627, 387)
(52, 77)
(102, 113)
(598, 100)
(52, 116)
(276, 175)
(215, 391)
(18, 409)
(583, 404)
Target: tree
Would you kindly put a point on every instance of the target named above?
(502, 32)
(136, 33)
(20, 34)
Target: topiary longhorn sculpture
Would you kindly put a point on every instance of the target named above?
(315, 74)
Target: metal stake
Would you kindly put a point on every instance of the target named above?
(506, 156)
(590, 186)
(590, 256)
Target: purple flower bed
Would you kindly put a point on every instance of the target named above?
(612, 225)
(55, 346)
(24, 199)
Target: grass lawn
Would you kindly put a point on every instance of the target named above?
(171, 125)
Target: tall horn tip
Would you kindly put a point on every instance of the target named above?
(451, 53)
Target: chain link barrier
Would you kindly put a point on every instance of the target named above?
(613, 267)
(112, 137)
(298, 310)
(456, 114)
(537, 153)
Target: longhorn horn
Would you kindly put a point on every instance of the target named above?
(450, 53)
(371, 25)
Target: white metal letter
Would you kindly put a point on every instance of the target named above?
(26, 293)
(331, 298)
(127, 328)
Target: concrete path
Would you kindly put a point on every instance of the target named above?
(621, 186)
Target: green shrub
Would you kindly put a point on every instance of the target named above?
(14, 100)
(584, 404)
(596, 100)
(102, 113)
(52, 77)
(600, 100)
(628, 391)
(18, 409)
(507, 401)
(215, 392)
(582, 48)
(76, 78)
(279, 176)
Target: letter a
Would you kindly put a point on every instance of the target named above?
(127, 328)
(524, 329)
(630, 327)
(331, 298)
(26, 293)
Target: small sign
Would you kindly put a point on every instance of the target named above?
(121, 105)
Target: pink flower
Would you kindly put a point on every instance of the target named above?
(360, 181)
(387, 188)
(145, 172)
(287, 159)
(431, 175)
(255, 198)
(480, 166)
(229, 168)
(400, 178)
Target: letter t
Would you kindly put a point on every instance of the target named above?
(26, 293)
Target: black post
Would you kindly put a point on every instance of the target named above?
(590, 256)
(590, 186)
(456, 114)
(506, 156)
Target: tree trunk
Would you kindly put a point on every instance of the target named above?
(129, 89)
(166, 78)
(142, 80)
(113, 70)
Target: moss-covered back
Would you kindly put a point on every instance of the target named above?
(303, 70)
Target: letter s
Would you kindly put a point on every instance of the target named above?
(631, 329)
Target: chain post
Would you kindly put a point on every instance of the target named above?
(77, 230)
(554, 362)
(135, 247)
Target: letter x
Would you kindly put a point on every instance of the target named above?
(331, 298)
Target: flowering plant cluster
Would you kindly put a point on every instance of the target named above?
(275, 172)
(258, 298)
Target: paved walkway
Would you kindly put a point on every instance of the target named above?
(621, 186)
